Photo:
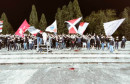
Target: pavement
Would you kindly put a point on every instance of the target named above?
(65, 74)
(65, 67)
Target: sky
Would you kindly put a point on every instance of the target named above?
(18, 10)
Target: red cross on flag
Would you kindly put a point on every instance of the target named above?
(22, 29)
(72, 25)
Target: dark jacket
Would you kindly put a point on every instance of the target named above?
(98, 41)
(116, 40)
(41, 36)
(111, 42)
(102, 40)
(18, 41)
(38, 34)
(107, 40)
(124, 40)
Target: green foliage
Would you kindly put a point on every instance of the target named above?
(125, 27)
(96, 20)
(7, 28)
(60, 21)
(33, 19)
(70, 11)
(77, 11)
(43, 23)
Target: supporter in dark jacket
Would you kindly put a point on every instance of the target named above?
(116, 42)
(0, 43)
(97, 43)
(4, 42)
(111, 44)
(88, 42)
(25, 41)
(8, 43)
(41, 38)
(15, 43)
(73, 39)
(78, 41)
(38, 40)
(56, 41)
(35, 43)
(19, 43)
(11, 44)
(123, 42)
(60, 42)
(102, 42)
(108, 42)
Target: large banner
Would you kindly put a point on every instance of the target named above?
(22, 29)
(82, 27)
(72, 25)
(111, 27)
(1, 26)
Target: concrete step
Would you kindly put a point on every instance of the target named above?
(72, 53)
(65, 56)
(45, 61)
(52, 56)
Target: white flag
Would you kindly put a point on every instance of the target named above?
(52, 27)
(111, 27)
(82, 27)
(33, 30)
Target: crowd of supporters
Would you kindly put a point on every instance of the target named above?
(29, 42)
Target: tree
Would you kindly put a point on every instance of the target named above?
(125, 27)
(110, 14)
(43, 23)
(96, 20)
(70, 11)
(60, 21)
(65, 17)
(76, 9)
(7, 28)
(33, 19)
(99, 22)
(91, 20)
